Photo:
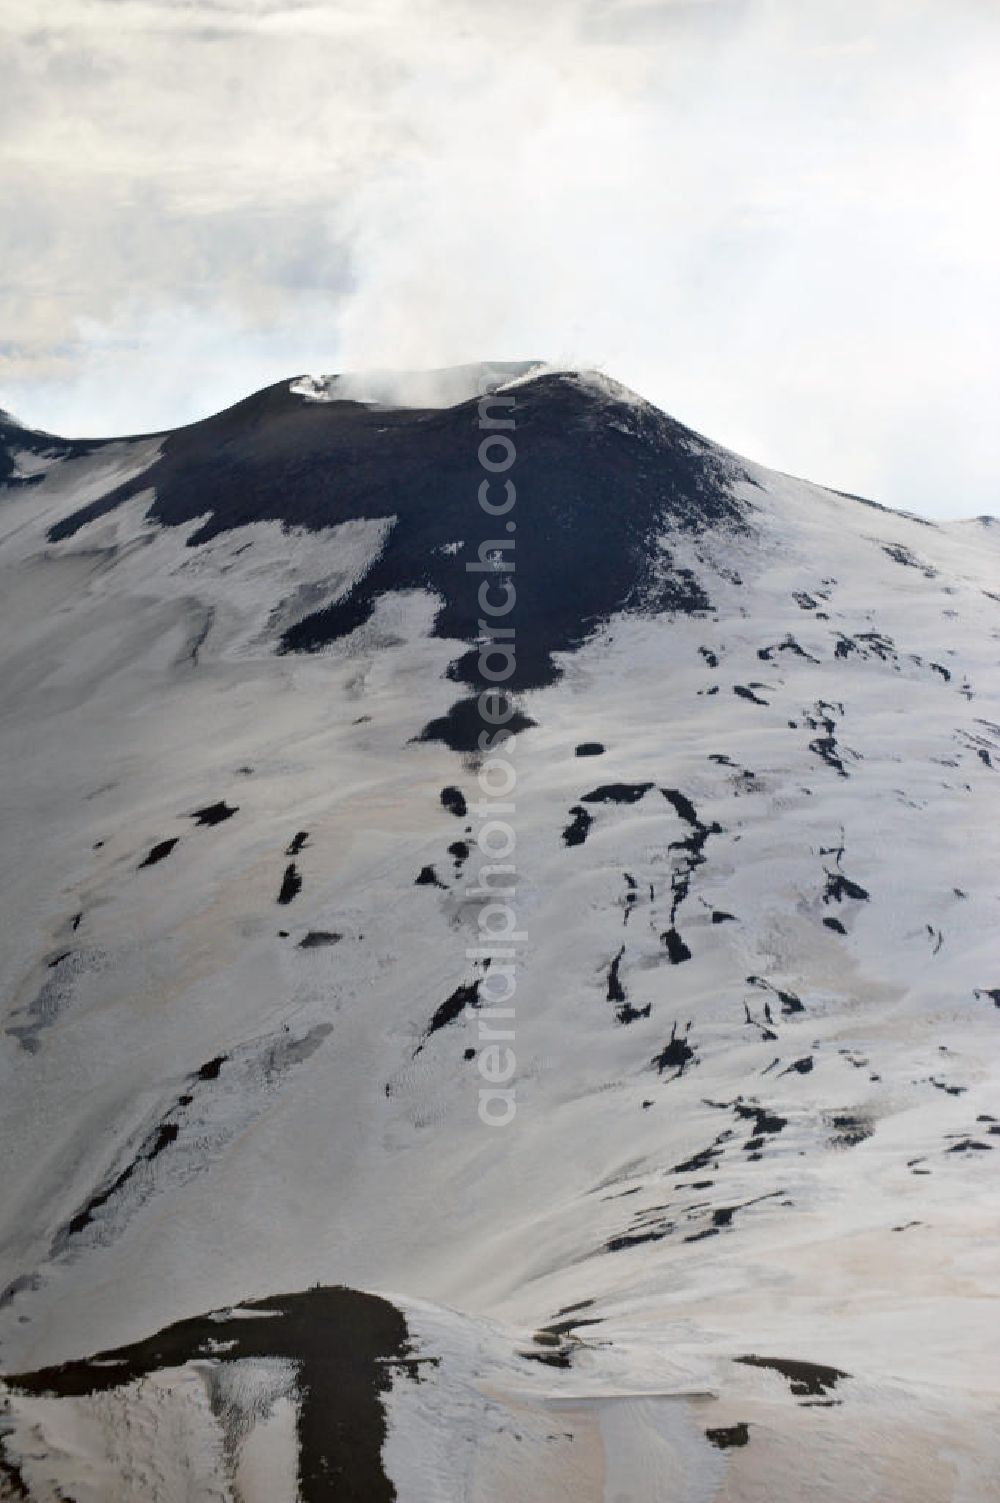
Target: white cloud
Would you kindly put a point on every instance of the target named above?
(158, 366)
(774, 217)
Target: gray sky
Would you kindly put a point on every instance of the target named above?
(777, 218)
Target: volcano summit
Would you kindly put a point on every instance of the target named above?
(260, 1243)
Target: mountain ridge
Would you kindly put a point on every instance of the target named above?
(736, 1239)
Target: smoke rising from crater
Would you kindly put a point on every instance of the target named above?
(771, 218)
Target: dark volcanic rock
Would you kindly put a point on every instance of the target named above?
(731, 1435)
(214, 814)
(276, 456)
(576, 832)
(617, 793)
(805, 1378)
(318, 939)
(676, 949)
(676, 1054)
(453, 800)
(16, 440)
(454, 1006)
(461, 728)
(346, 1348)
(159, 852)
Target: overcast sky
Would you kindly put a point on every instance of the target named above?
(776, 218)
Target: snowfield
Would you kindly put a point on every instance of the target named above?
(741, 1240)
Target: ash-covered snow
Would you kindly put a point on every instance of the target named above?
(779, 1139)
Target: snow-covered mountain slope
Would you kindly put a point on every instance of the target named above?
(739, 1239)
